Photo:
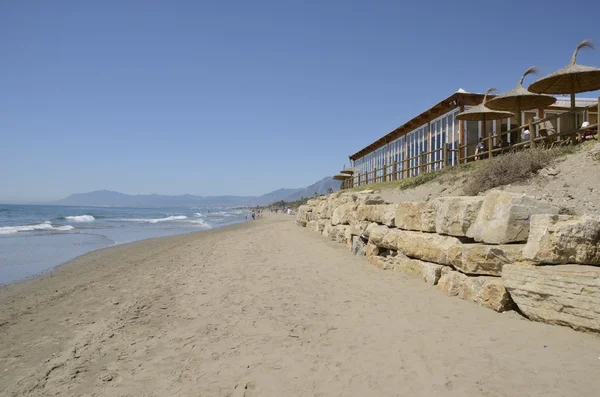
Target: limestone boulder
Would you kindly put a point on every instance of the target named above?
(372, 253)
(359, 247)
(369, 199)
(562, 239)
(379, 213)
(344, 214)
(340, 233)
(428, 215)
(335, 202)
(327, 228)
(487, 292)
(312, 225)
(312, 202)
(359, 228)
(450, 282)
(321, 209)
(454, 215)
(504, 217)
(560, 294)
(408, 215)
(429, 272)
(321, 225)
(424, 246)
(302, 215)
(427, 247)
(378, 235)
(482, 259)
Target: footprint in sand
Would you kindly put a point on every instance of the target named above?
(242, 388)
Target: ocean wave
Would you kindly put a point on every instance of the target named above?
(157, 220)
(198, 214)
(33, 228)
(200, 223)
(80, 218)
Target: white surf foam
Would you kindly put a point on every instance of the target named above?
(200, 223)
(80, 218)
(33, 228)
(198, 214)
(157, 220)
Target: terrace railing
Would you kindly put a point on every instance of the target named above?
(424, 162)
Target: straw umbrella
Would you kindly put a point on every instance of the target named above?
(483, 113)
(571, 79)
(342, 177)
(519, 99)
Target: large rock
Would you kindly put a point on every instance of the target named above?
(360, 228)
(344, 214)
(340, 233)
(372, 253)
(379, 213)
(321, 209)
(302, 215)
(562, 239)
(359, 246)
(485, 291)
(424, 246)
(337, 201)
(369, 199)
(481, 259)
(429, 272)
(428, 215)
(408, 215)
(504, 217)
(561, 294)
(454, 215)
(450, 282)
(427, 247)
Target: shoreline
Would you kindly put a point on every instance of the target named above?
(271, 309)
(53, 268)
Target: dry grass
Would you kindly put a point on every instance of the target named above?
(415, 181)
(510, 168)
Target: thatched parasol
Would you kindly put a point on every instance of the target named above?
(341, 177)
(520, 99)
(483, 113)
(571, 79)
(349, 171)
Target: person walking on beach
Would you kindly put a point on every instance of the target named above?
(253, 215)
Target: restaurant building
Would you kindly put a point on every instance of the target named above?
(416, 146)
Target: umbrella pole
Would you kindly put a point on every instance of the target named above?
(487, 138)
(519, 121)
(573, 116)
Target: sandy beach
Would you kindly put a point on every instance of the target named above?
(266, 308)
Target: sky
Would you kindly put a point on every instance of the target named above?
(245, 97)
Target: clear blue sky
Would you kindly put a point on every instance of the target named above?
(244, 97)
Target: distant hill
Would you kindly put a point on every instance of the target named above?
(107, 198)
(320, 187)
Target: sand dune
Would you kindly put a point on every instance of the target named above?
(269, 309)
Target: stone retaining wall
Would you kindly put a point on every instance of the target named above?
(501, 251)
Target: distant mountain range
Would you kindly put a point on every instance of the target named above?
(107, 198)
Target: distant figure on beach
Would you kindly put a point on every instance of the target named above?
(253, 215)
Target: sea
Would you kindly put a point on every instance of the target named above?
(36, 238)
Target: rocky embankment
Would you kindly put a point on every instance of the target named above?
(502, 251)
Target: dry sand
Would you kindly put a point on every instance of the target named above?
(269, 309)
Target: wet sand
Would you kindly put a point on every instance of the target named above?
(267, 308)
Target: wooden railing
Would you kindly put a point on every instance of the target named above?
(425, 162)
